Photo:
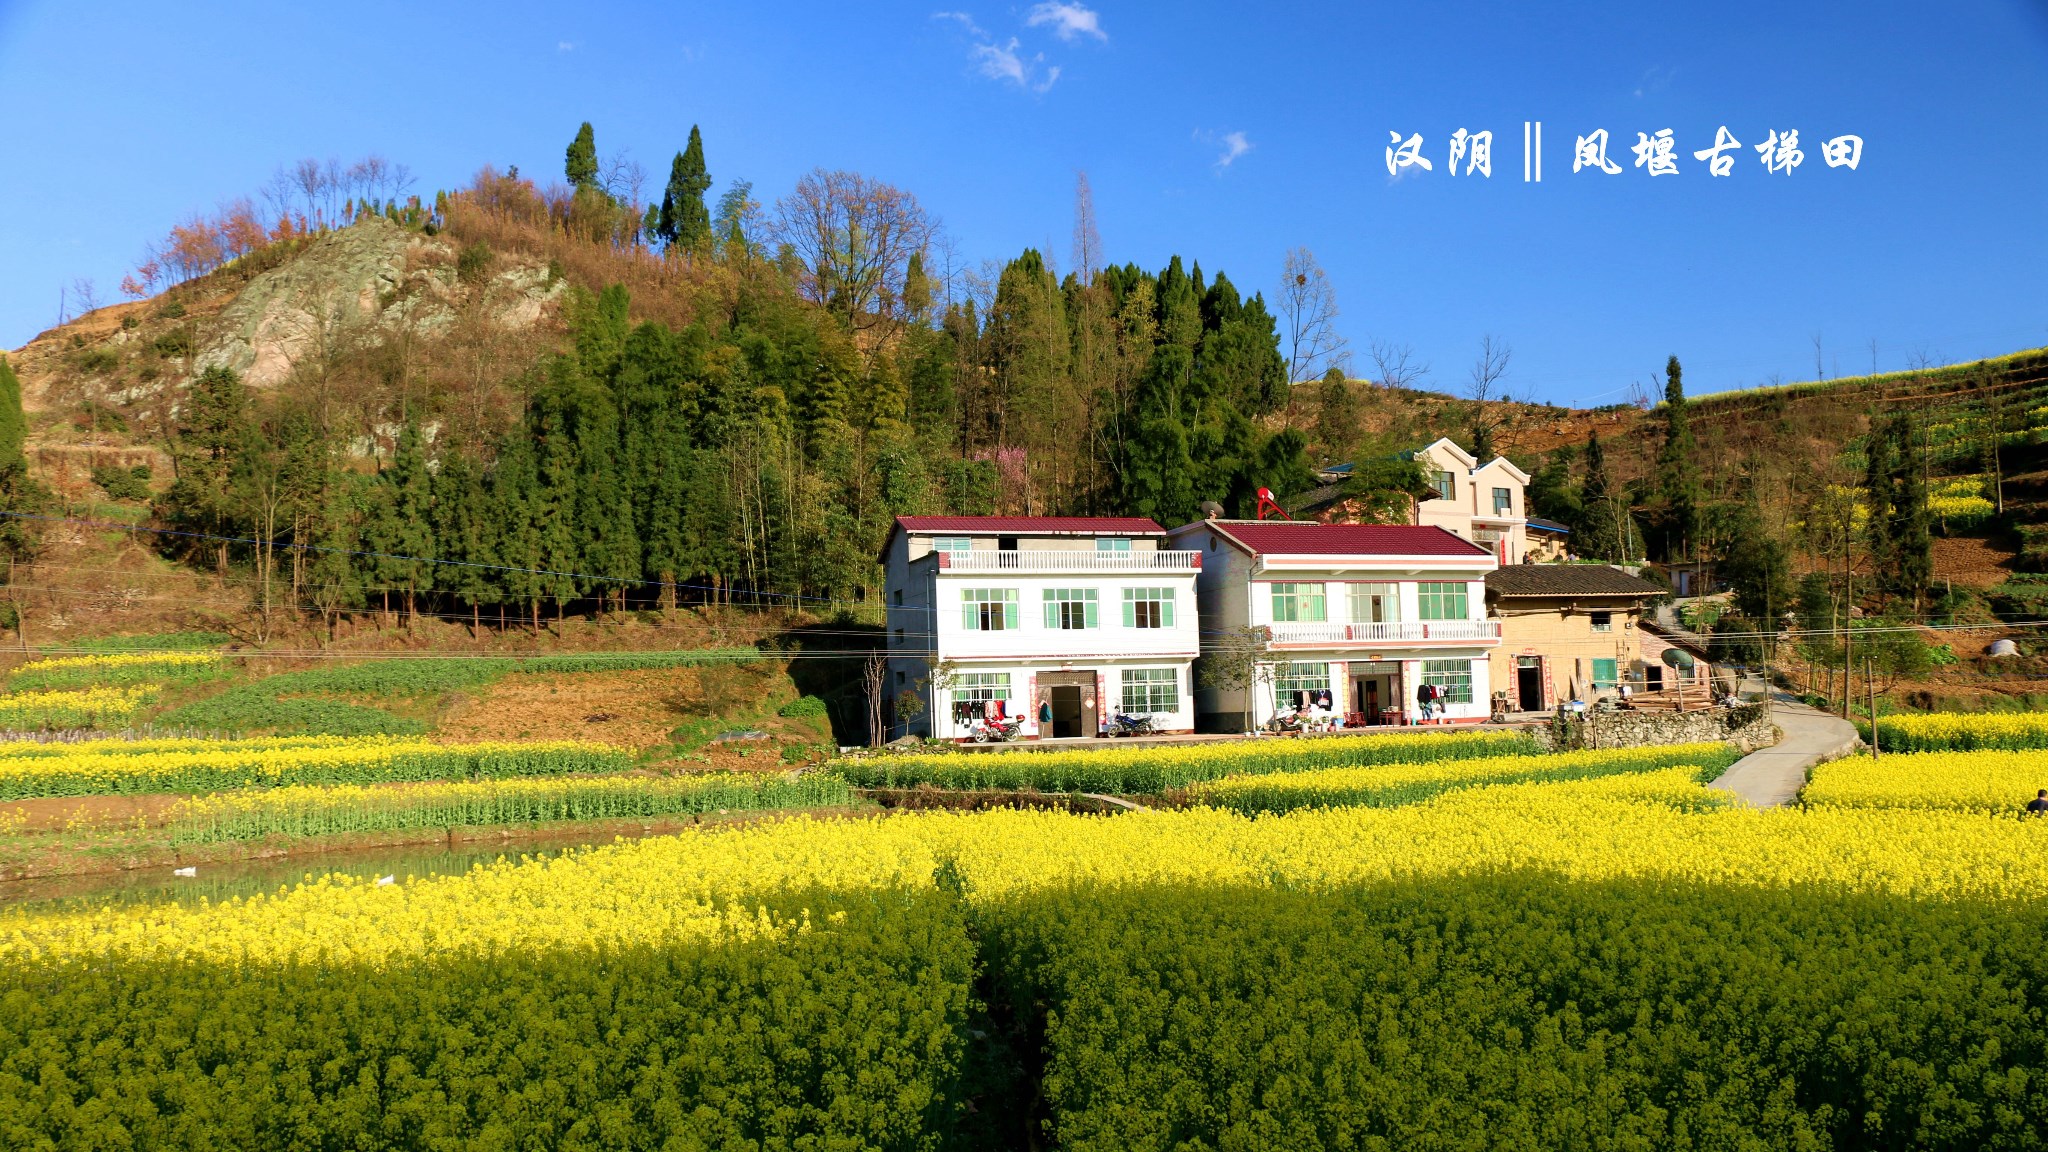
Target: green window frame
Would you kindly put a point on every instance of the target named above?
(1446, 485)
(1442, 600)
(1300, 677)
(1503, 502)
(1112, 544)
(1453, 679)
(988, 609)
(1300, 604)
(1361, 597)
(1150, 690)
(1070, 609)
(953, 544)
(980, 687)
(1148, 607)
(1606, 673)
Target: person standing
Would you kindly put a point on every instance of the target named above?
(2038, 806)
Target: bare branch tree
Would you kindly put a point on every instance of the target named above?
(1395, 366)
(1087, 241)
(1308, 302)
(84, 297)
(1488, 394)
(854, 236)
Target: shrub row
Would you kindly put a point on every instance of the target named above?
(1154, 769)
(323, 811)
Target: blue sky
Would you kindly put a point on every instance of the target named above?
(1225, 132)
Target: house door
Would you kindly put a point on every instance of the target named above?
(1653, 677)
(1369, 699)
(1071, 697)
(1529, 682)
(1066, 712)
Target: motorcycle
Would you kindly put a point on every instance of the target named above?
(998, 731)
(1282, 725)
(1122, 725)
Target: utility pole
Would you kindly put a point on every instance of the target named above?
(1870, 683)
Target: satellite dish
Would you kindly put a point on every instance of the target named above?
(1678, 658)
(1211, 510)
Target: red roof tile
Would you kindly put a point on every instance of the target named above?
(1026, 525)
(1291, 538)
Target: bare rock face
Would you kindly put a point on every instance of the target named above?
(370, 274)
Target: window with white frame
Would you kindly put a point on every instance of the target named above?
(988, 609)
(1374, 603)
(1293, 678)
(980, 687)
(1151, 690)
(1070, 608)
(1148, 607)
(1446, 485)
(1112, 544)
(1299, 603)
(1503, 502)
(1602, 621)
(1453, 679)
(953, 544)
(1442, 600)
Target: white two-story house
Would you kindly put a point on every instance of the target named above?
(1486, 503)
(1065, 620)
(1354, 618)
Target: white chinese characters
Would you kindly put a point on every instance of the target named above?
(1655, 153)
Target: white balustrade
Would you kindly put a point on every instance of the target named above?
(1077, 560)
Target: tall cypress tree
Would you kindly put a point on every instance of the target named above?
(684, 219)
(515, 539)
(580, 164)
(1602, 528)
(1678, 484)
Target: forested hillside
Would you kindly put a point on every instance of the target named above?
(514, 400)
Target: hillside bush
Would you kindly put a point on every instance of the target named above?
(120, 483)
(803, 706)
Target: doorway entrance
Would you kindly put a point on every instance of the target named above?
(1071, 696)
(1373, 700)
(1529, 683)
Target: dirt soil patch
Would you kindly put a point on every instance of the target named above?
(1970, 561)
(48, 813)
(635, 709)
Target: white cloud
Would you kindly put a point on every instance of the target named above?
(1005, 61)
(965, 20)
(1234, 145)
(1069, 21)
(564, 46)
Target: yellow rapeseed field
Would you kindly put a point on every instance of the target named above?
(1659, 825)
(1998, 782)
(74, 708)
(113, 660)
(116, 766)
(1963, 731)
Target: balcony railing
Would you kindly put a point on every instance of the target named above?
(1054, 560)
(1403, 632)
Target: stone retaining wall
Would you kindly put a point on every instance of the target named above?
(1747, 725)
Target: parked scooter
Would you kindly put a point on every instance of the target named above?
(998, 731)
(1290, 722)
(1122, 725)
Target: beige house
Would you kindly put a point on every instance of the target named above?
(1484, 503)
(1568, 632)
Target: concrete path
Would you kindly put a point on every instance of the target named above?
(1772, 776)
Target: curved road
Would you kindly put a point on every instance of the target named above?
(1773, 776)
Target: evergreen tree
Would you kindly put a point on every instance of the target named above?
(461, 532)
(19, 493)
(1757, 567)
(1880, 462)
(1678, 485)
(580, 164)
(1158, 477)
(408, 539)
(516, 511)
(1603, 528)
(1901, 529)
(684, 219)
